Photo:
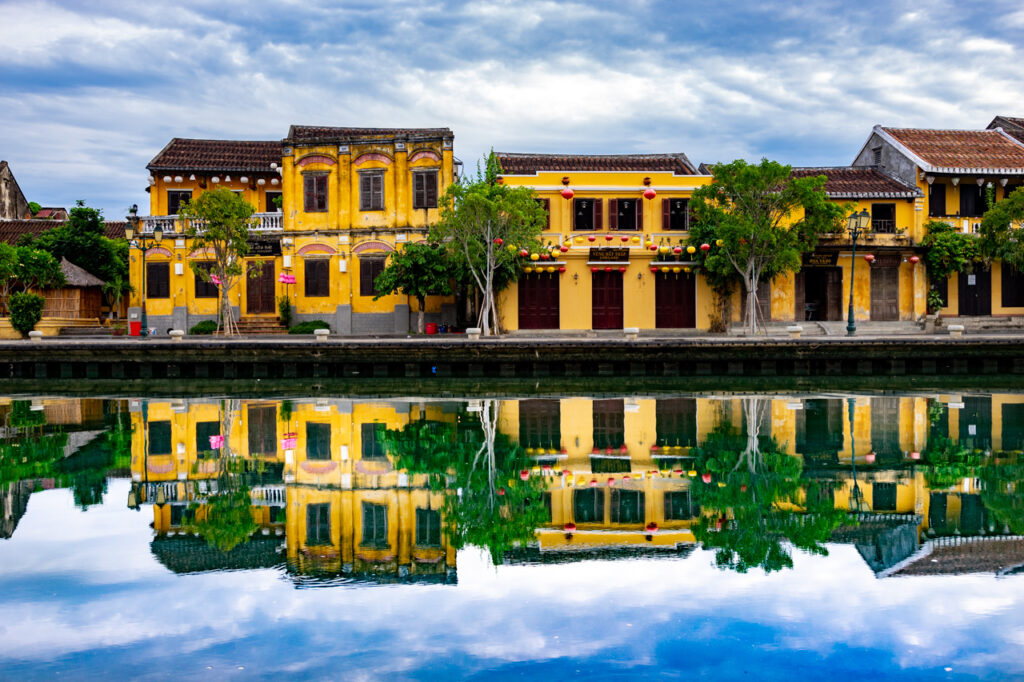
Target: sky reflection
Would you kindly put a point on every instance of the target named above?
(81, 591)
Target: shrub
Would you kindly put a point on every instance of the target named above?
(284, 309)
(204, 327)
(26, 310)
(308, 327)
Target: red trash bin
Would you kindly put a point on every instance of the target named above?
(135, 328)
(431, 327)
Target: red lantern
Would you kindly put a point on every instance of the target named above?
(677, 471)
(561, 268)
(567, 193)
(545, 256)
(649, 193)
(523, 253)
(594, 269)
(654, 268)
(652, 527)
(593, 483)
(545, 467)
(915, 455)
(501, 491)
(870, 258)
(654, 448)
(654, 247)
(498, 241)
(624, 238)
(677, 250)
(915, 260)
(624, 449)
(706, 478)
(743, 488)
(570, 526)
(869, 458)
(566, 472)
(611, 482)
(524, 474)
(591, 237)
(622, 269)
(608, 237)
(608, 268)
(705, 247)
(563, 248)
(608, 450)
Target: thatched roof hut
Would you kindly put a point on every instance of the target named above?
(81, 297)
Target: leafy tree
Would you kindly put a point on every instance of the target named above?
(764, 220)
(948, 250)
(1000, 240)
(761, 487)
(417, 271)
(26, 310)
(226, 520)
(480, 220)
(115, 290)
(80, 239)
(34, 208)
(220, 220)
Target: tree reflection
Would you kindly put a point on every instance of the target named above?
(751, 493)
(492, 500)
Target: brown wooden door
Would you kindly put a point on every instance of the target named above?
(259, 290)
(885, 293)
(976, 293)
(607, 300)
(675, 301)
(538, 302)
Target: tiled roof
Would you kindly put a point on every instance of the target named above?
(11, 230)
(948, 150)
(309, 134)
(530, 164)
(50, 212)
(1013, 125)
(972, 555)
(846, 182)
(182, 154)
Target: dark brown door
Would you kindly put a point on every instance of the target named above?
(885, 293)
(819, 293)
(538, 302)
(675, 301)
(976, 293)
(259, 291)
(607, 300)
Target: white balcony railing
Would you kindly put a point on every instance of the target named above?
(267, 495)
(172, 225)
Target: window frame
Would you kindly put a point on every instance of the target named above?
(202, 288)
(158, 287)
(318, 441)
(320, 277)
(378, 524)
(365, 273)
(179, 195)
(424, 197)
(164, 433)
(371, 197)
(314, 199)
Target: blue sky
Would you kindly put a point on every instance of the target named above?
(91, 90)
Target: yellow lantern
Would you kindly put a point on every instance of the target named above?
(551, 268)
(676, 270)
(718, 242)
(686, 269)
(665, 268)
(691, 473)
(662, 249)
(636, 240)
(528, 269)
(691, 250)
(510, 248)
(534, 256)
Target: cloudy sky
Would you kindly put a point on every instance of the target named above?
(90, 90)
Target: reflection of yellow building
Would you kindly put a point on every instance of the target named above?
(348, 198)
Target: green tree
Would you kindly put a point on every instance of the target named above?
(417, 271)
(26, 310)
(80, 239)
(34, 208)
(760, 220)
(1000, 235)
(948, 250)
(220, 220)
(484, 222)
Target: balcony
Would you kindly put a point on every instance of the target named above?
(267, 495)
(171, 224)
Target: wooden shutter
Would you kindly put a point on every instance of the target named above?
(419, 190)
(318, 277)
(613, 214)
(378, 191)
(365, 194)
(430, 185)
(158, 280)
(639, 215)
(598, 214)
(666, 214)
(309, 192)
(321, 192)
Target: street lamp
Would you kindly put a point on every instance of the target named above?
(856, 223)
(135, 239)
(857, 503)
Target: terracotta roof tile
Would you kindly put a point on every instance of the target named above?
(982, 149)
(1013, 125)
(217, 155)
(11, 230)
(845, 182)
(311, 134)
(530, 164)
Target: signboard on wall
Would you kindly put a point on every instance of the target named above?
(265, 247)
(609, 255)
(821, 260)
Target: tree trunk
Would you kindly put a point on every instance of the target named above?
(420, 314)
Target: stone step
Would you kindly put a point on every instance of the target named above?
(86, 331)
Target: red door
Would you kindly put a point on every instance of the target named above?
(607, 300)
(675, 300)
(538, 302)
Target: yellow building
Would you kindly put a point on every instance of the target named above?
(957, 171)
(619, 224)
(332, 204)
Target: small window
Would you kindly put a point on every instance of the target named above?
(679, 506)
(176, 199)
(158, 280)
(937, 200)
(318, 441)
(424, 189)
(540, 424)
(546, 205)
(675, 214)
(318, 277)
(428, 528)
(205, 289)
(587, 214)
(883, 218)
(627, 506)
(588, 505)
(972, 200)
(609, 430)
(1013, 286)
(369, 268)
(625, 214)
(876, 156)
(270, 201)
(883, 497)
(160, 438)
(371, 191)
(372, 437)
(315, 193)
(203, 432)
(375, 525)
(318, 524)
(262, 423)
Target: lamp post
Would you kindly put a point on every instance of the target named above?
(135, 239)
(856, 496)
(856, 223)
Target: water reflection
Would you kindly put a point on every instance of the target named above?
(334, 490)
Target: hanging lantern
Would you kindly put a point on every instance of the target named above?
(743, 488)
(524, 253)
(622, 269)
(610, 481)
(677, 250)
(501, 491)
(545, 256)
(567, 193)
(498, 241)
(691, 473)
(591, 237)
(719, 242)
(915, 455)
(705, 247)
(915, 260)
(686, 268)
(534, 256)
(563, 248)
(665, 268)
(593, 483)
(653, 247)
(528, 269)
(561, 268)
(566, 472)
(570, 527)
(551, 268)
(676, 270)
(652, 527)
(869, 458)
(578, 240)
(608, 237)
(649, 193)
(706, 478)
(654, 268)
(691, 250)
(608, 268)
(870, 258)
(524, 474)
(636, 240)
(625, 238)
(595, 269)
